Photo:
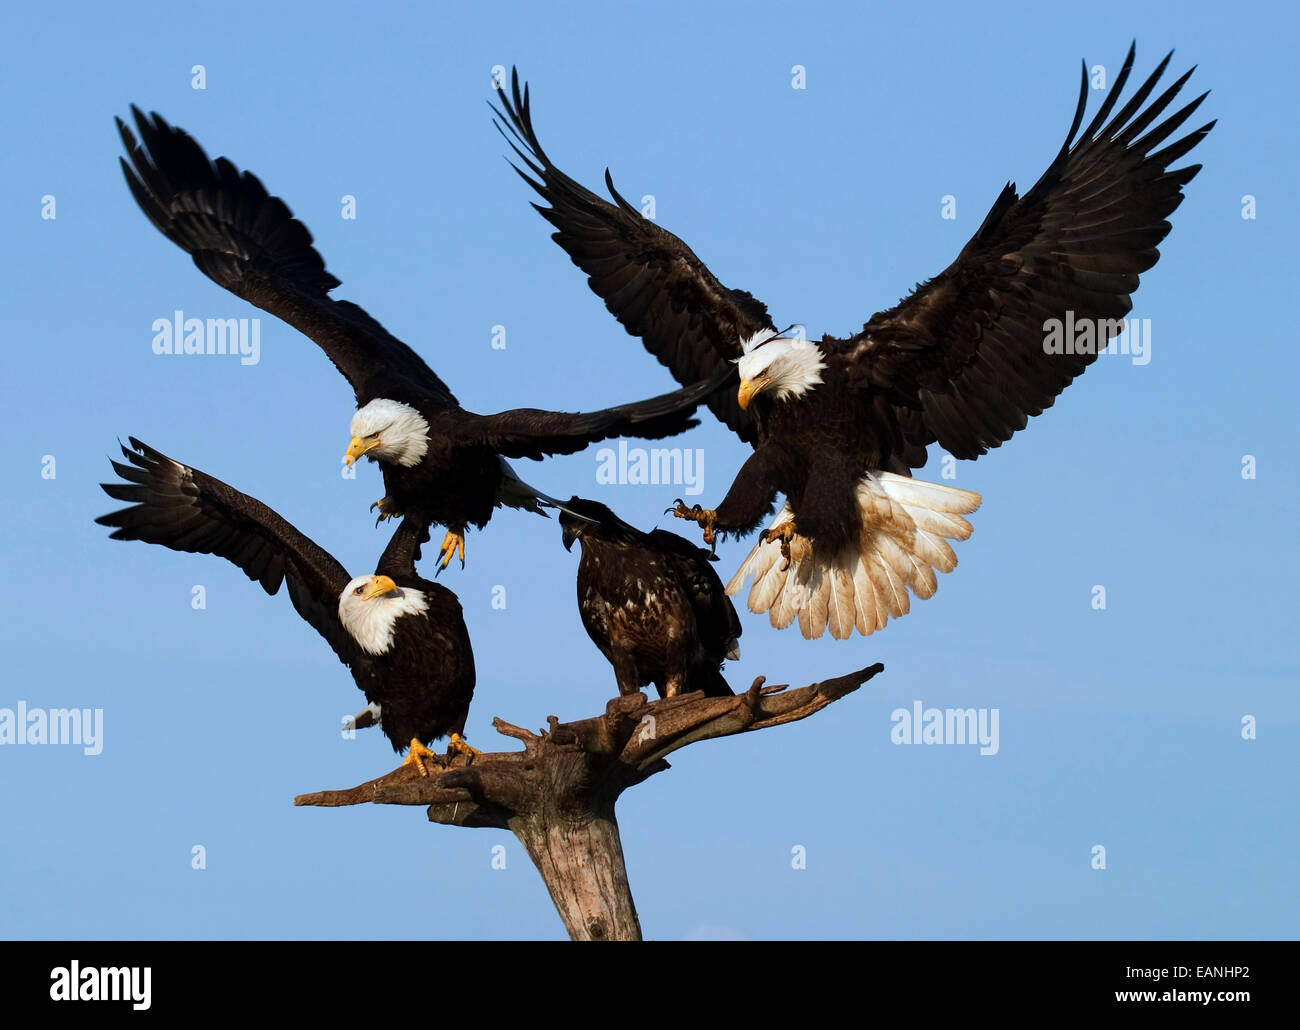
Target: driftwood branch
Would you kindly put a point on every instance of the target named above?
(557, 795)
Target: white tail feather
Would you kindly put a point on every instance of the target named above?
(843, 613)
(906, 526)
(898, 568)
(864, 605)
(887, 590)
(934, 551)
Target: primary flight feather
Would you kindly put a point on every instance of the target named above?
(403, 637)
(837, 425)
(442, 464)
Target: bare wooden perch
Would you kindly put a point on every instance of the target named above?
(557, 795)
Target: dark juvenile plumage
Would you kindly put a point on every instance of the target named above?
(402, 636)
(450, 471)
(963, 361)
(651, 602)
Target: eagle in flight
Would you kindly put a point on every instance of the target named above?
(442, 464)
(838, 425)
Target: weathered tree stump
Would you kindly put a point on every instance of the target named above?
(557, 796)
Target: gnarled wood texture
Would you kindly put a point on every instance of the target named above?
(557, 795)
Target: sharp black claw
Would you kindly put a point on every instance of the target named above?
(374, 506)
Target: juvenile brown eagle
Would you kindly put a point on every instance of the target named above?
(964, 361)
(442, 464)
(403, 637)
(651, 602)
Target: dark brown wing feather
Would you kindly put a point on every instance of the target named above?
(648, 278)
(248, 241)
(532, 433)
(716, 620)
(187, 510)
(962, 358)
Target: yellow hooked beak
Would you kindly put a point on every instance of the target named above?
(359, 447)
(379, 586)
(748, 388)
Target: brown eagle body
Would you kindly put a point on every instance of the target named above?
(651, 603)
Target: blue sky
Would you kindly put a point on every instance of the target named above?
(1119, 727)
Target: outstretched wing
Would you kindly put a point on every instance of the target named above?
(533, 433)
(649, 279)
(248, 241)
(187, 510)
(966, 359)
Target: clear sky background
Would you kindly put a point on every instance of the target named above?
(1119, 727)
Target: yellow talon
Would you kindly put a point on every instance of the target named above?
(458, 745)
(705, 517)
(452, 544)
(785, 533)
(418, 751)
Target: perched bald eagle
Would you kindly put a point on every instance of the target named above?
(403, 637)
(651, 602)
(838, 425)
(442, 464)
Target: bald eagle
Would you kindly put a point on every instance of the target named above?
(442, 464)
(964, 361)
(403, 637)
(651, 602)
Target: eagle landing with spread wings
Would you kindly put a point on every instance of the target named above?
(839, 424)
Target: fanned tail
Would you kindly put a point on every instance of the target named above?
(906, 526)
(515, 493)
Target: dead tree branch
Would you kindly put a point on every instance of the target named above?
(557, 795)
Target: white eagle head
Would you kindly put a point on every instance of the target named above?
(388, 431)
(370, 606)
(780, 365)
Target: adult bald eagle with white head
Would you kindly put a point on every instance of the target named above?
(837, 425)
(442, 464)
(403, 637)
